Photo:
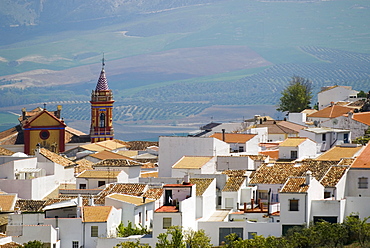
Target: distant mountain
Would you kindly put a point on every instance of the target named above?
(35, 12)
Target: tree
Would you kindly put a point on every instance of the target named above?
(359, 230)
(176, 238)
(33, 244)
(129, 230)
(197, 239)
(296, 96)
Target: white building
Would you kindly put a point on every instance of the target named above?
(240, 142)
(329, 94)
(171, 149)
(297, 148)
(191, 165)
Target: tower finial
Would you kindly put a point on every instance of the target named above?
(103, 62)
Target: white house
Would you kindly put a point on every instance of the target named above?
(326, 138)
(240, 142)
(190, 165)
(137, 210)
(131, 169)
(335, 93)
(232, 197)
(297, 148)
(92, 179)
(329, 113)
(171, 149)
(295, 200)
(242, 162)
(205, 196)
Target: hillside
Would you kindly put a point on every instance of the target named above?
(170, 60)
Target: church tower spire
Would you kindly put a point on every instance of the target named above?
(101, 127)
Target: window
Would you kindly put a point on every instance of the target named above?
(82, 185)
(94, 231)
(101, 183)
(293, 205)
(74, 244)
(263, 194)
(224, 231)
(102, 120)
(362, 183)
(345, 138)
(146, 215)
(324, 137)
(251, 235)
(327, 194)
(140, 217)
(167, 222)
(241, 149)
(293, 154)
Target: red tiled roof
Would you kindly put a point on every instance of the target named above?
(362, 117)
(331, 112)
(167, 209)
(363, 160)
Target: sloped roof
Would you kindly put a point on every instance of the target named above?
(94, 147)
(113, 144)
(295, 185)
(136, 189)
(7, 202)
(191, 162)
(25, 205)
(149, 174)
(135, 200)
(141, 145)
(363, 117)
(154, 193)
(201, 184)
(234, 173)
(293, 141)
(334, 174)
(108, 155)
(128, 153)
(278, 173)
(56, 158)
(11, 245)
(5, 152)
(116, 163)
(281, 127)
(336, 153)
(362, 161)
(96, 213)
(273, 154)
(234, 137)
(104, 174)
(331, 112)
(233, 184)
(83, 164)
(326, 88)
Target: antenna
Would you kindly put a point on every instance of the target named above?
(103, 62)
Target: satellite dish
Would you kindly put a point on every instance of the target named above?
(316, 123)
(335, 122)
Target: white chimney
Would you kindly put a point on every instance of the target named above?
(308, 177)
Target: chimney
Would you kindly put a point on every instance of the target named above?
(245, 207)
(308, 177)
(252, 204)
(144, 198)
(223, 134)
(186, 179)
(331, 104)
(261, 207)
(23, 114)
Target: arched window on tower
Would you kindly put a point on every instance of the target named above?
(102, 120)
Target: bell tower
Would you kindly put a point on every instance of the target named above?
(101, 110)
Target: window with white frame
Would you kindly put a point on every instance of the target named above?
(362, 182)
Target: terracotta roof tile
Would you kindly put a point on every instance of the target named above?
(135, 200)
(233, 184)
(11, 245)
(331, 112)
(167, 209)
(113, 144)
(56, 158)
(82, 165)
(96, 213)
(116, 163)
(5, 152)
(362, 117)
(234, 173)
(332, 177)
(346, 161)
(154, 193)
(273, 154)
(135, 189)
(293, 141)
(202, 184)
(7, 202)
(336, 153)
(99, 174)
(190, 162)
(295, 185)
(234, 137)
(141, 145)
(30, 205)
(363, 161)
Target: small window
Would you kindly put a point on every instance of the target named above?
(167, 222)
(345, 138)
(241, 149)
(362, 183)
(327, 194)
(101, 183)
(94, 231)
(82, 185)
(293, 205)
(74, 244)
(293, 154)
(102, 120)
(140, 217)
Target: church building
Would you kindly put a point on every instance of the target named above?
(101, 127)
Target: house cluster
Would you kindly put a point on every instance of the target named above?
(262, 176)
